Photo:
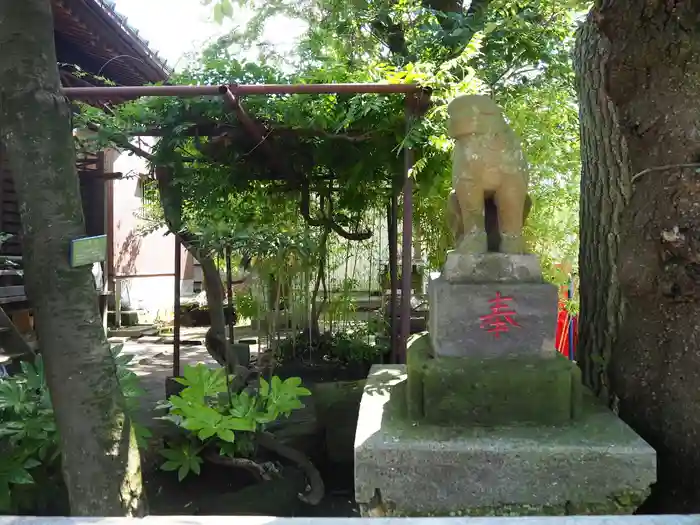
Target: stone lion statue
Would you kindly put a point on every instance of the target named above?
(488, 204)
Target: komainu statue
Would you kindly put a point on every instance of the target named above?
(488, 204)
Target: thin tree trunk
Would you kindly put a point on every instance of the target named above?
(216, 341)
(317, 310)
(604, 194)
(101, 463)
(651, 78)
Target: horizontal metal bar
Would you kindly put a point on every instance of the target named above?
(137, 276)
(140, 91)
(234, 89)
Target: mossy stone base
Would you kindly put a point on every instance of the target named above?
(337, 405)
(490, 392)
(595, 464)
(615, 505)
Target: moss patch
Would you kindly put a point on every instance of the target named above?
(490, 392)
(418, 355)
(618, 504)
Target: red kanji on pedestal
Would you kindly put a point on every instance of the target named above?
(501, 317)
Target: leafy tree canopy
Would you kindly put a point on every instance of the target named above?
(348, 146)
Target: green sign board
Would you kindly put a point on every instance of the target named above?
(88, 250)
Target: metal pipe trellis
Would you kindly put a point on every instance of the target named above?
(229, 92)
(237, 89)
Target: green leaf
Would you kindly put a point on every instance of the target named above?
(218, 13)
(195, 465)
(172, 454)
(183, 471)
(264, 387)
(206, 433)
(226, 435)
(31, 463)
(301, 391)
(19, 476)
(292, 382)
(170, 466)
(226, 8)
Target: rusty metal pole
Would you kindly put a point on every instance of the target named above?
(406, 248)
(235, 89)
(392, 217)
(229, 290)
(176, 308)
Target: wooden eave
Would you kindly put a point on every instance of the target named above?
(91, 32)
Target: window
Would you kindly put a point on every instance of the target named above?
(147, 191)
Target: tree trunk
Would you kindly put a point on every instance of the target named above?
(101, 464)
(651, 78)
(604, 194)
(216, 342)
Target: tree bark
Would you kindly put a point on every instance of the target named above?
(604, 194)
(216, 341)
(101, 464)
(651, 78)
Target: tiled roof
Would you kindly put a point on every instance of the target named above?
(100, 33)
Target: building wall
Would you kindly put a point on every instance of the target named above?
(143, 262)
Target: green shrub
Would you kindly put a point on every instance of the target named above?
(343, 347)
(214, 416)
(29, 442)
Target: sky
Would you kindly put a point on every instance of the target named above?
(176, 27)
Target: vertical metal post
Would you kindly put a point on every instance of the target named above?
(229, 290)
(406, 249)
(110, 272)
(572, 321)
(176, 307)
(392, 219)
(117, 302)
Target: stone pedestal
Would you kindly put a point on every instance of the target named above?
(492, 320)
(491, 268)
(486, 418)
(469, 391)
(594, 465)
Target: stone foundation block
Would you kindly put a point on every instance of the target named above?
(491, 267)
(597, 465)
(490, 392)
(492, 320)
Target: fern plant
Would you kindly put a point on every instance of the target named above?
(29, 441)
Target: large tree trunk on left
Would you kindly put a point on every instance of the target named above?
(651, 78)
(101, 463)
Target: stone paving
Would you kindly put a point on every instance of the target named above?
(153, 361)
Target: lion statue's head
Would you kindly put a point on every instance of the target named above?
(475, 115)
